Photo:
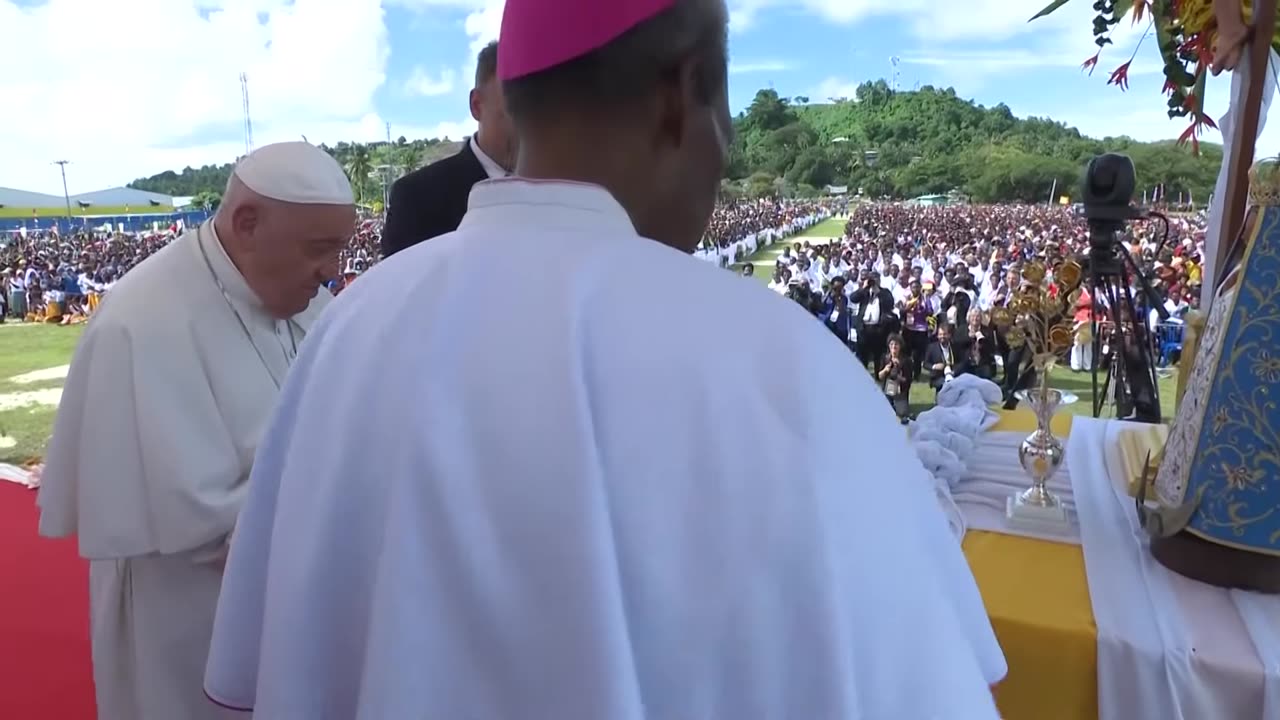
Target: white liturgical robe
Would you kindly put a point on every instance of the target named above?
(546, 483)
(162, 411)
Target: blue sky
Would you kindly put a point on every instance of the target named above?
(822, 49)
(335, 70)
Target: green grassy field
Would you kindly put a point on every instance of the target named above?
(90, 212)
(25, 349)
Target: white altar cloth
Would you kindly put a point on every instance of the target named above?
(1169, 648)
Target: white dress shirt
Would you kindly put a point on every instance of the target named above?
(491, 168)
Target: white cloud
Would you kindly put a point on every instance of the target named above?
(313, 68)
(984, 62)
(1143, 116)
(483, 24)
(758, 66)
(422, 83)
(835, 88)
(936, 22)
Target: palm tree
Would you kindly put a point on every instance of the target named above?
(207, 200)
(358, 169)
(410, 158)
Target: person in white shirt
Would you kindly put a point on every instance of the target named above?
(168, 392)
(579, 513)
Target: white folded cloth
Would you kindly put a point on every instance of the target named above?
(960, 444)
(944, 437)
(942, 463)
(969, 390)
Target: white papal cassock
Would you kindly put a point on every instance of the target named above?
(544, 468)
(151, 451)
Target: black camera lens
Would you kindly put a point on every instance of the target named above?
(1110, 180)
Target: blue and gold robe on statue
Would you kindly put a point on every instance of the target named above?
(1223, 455)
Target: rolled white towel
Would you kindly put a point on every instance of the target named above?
(941, 463)
(944, 437)
(958, 443)
(969, 390)
(964, 420)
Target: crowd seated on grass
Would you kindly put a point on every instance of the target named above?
(739, 228)
(910, 289)
(48, 278)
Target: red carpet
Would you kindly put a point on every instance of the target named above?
(45, 667)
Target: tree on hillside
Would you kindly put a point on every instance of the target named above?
(206, 200)
(898, 144)
(905, 144)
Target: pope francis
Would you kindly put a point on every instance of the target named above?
(167, 396)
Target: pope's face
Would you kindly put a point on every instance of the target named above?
(293, 251)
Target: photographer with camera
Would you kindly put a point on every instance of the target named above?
(895, 377)
(876, 319)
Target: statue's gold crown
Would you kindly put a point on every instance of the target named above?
(1264, 183)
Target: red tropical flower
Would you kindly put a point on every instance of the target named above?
(1190, 135)
(1120, 76)
(1139, 7)
(1091, 63)
(1169, 87)
(1199, 121)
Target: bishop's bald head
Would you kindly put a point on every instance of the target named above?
(286, 215)
(628, 94)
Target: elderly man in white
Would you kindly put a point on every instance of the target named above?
(163, 408)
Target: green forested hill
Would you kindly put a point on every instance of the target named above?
(907, 144)
(899, 144)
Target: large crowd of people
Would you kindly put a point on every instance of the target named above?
(911, 289)
(46, 277)
(50, 278)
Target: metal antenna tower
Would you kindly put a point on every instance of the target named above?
(894, 62)
(62, 165)
(248, 121)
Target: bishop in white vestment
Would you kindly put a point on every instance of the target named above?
(573, 473)
(163, 408)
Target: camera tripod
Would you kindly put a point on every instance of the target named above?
(1130, 357)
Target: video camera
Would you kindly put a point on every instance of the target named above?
(1107, 193)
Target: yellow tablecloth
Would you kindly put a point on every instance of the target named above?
(1038, 599)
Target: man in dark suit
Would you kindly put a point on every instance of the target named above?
(940, 359)
(875, 319)
(432, 200)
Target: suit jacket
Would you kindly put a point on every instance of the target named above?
(862, 297)
(842, 324)
(430, 201)
(980, 361)
(934, 355)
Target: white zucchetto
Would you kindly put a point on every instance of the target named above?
(295, 172)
